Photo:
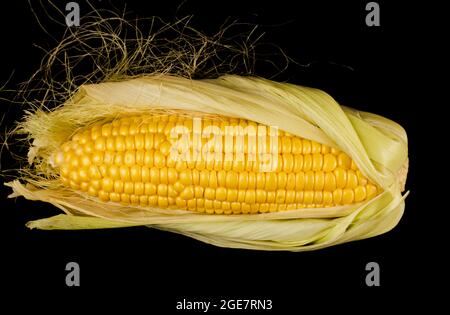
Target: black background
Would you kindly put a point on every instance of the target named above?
(368, 68)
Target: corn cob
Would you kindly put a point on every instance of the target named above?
(296, 172)
(128, 160)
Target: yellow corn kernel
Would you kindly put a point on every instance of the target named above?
(129, 160)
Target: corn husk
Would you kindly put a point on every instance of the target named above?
(377, 145)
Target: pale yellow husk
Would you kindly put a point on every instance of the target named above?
(376, 144)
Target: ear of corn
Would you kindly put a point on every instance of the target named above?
(105, 154)
(129, 160)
